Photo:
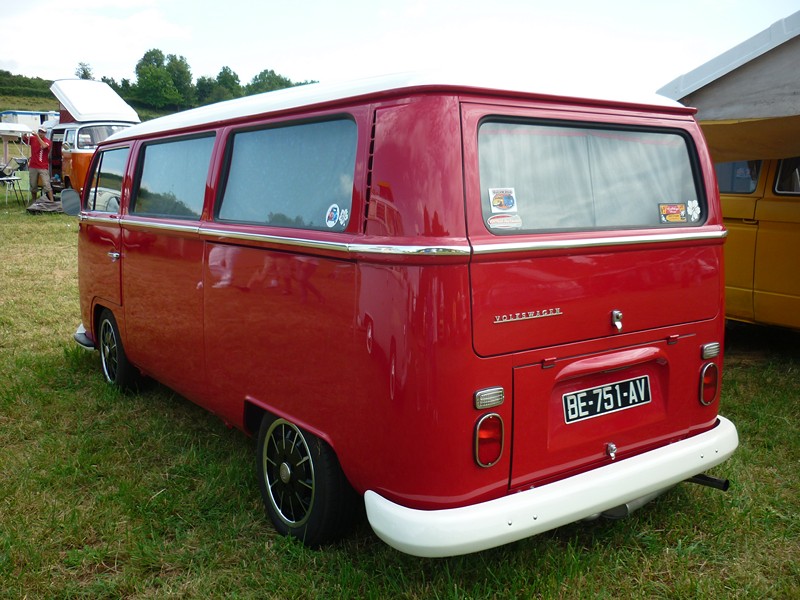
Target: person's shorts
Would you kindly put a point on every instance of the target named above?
(40, 175)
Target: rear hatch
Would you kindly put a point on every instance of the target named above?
(596, 268)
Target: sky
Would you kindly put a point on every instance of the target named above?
(631, 45)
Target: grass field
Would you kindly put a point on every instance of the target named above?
(105, 495)
(27, 103)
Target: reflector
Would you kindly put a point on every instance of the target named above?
(709, 382)
(489, 440)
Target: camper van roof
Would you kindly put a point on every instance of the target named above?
(89, 100)
(320, 93)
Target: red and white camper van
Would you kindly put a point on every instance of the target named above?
(483, 312)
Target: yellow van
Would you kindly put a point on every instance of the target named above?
(761, 210)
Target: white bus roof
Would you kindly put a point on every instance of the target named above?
(89, 100)
(319, 93)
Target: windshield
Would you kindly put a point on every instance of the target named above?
(90, 136)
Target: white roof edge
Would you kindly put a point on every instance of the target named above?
(318, 93)
(89, 100)
(761, 43)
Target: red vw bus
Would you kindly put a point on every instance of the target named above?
(483, 312)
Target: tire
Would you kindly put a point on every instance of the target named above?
(306, 495)
(117, 370)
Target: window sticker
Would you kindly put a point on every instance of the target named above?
(333, 215)
(673, 213)
(504, 222)
(337, 216)
(502, 200)
(694, 210)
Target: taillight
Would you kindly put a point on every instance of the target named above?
(709, 384)
(488, 439)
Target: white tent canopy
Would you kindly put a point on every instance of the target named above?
(11, 132)
(747, 98)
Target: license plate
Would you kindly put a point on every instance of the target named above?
(601, 400)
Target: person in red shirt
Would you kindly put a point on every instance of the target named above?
(39, 165)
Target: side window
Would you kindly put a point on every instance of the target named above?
(538, 177)
(788, 180)
(69, 139)
(292, 176)
(738, 177)
(172, 178)
(106, 187)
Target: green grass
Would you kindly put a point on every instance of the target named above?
(108, 495)
(28, 103)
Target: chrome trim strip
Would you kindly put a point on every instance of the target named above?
(597, 242)
(343, 247)
(411, 250)
(104, 220)
(275, 239)
(136, 223)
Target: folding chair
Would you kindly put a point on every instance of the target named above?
(11, 180)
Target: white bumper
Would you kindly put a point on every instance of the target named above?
(453, 531)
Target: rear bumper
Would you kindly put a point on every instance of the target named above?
(449, 532)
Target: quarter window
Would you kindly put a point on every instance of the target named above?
(788, 181)
(106, 187)
(69, 139)
(172, 181)
(547, 177)
(292, 176)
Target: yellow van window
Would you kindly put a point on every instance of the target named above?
(788, 181)
(738, 177)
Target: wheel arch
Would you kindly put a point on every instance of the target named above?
(98, 306)
(255, 409)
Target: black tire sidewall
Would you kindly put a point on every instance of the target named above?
(334, 500)
(127, 376)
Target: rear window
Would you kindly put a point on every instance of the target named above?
(551, 177)
(738, 177)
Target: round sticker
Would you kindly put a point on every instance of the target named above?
(333, 215)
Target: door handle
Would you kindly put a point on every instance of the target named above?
(750, 221)
(114, 256)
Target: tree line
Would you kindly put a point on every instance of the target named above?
(163, 83)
